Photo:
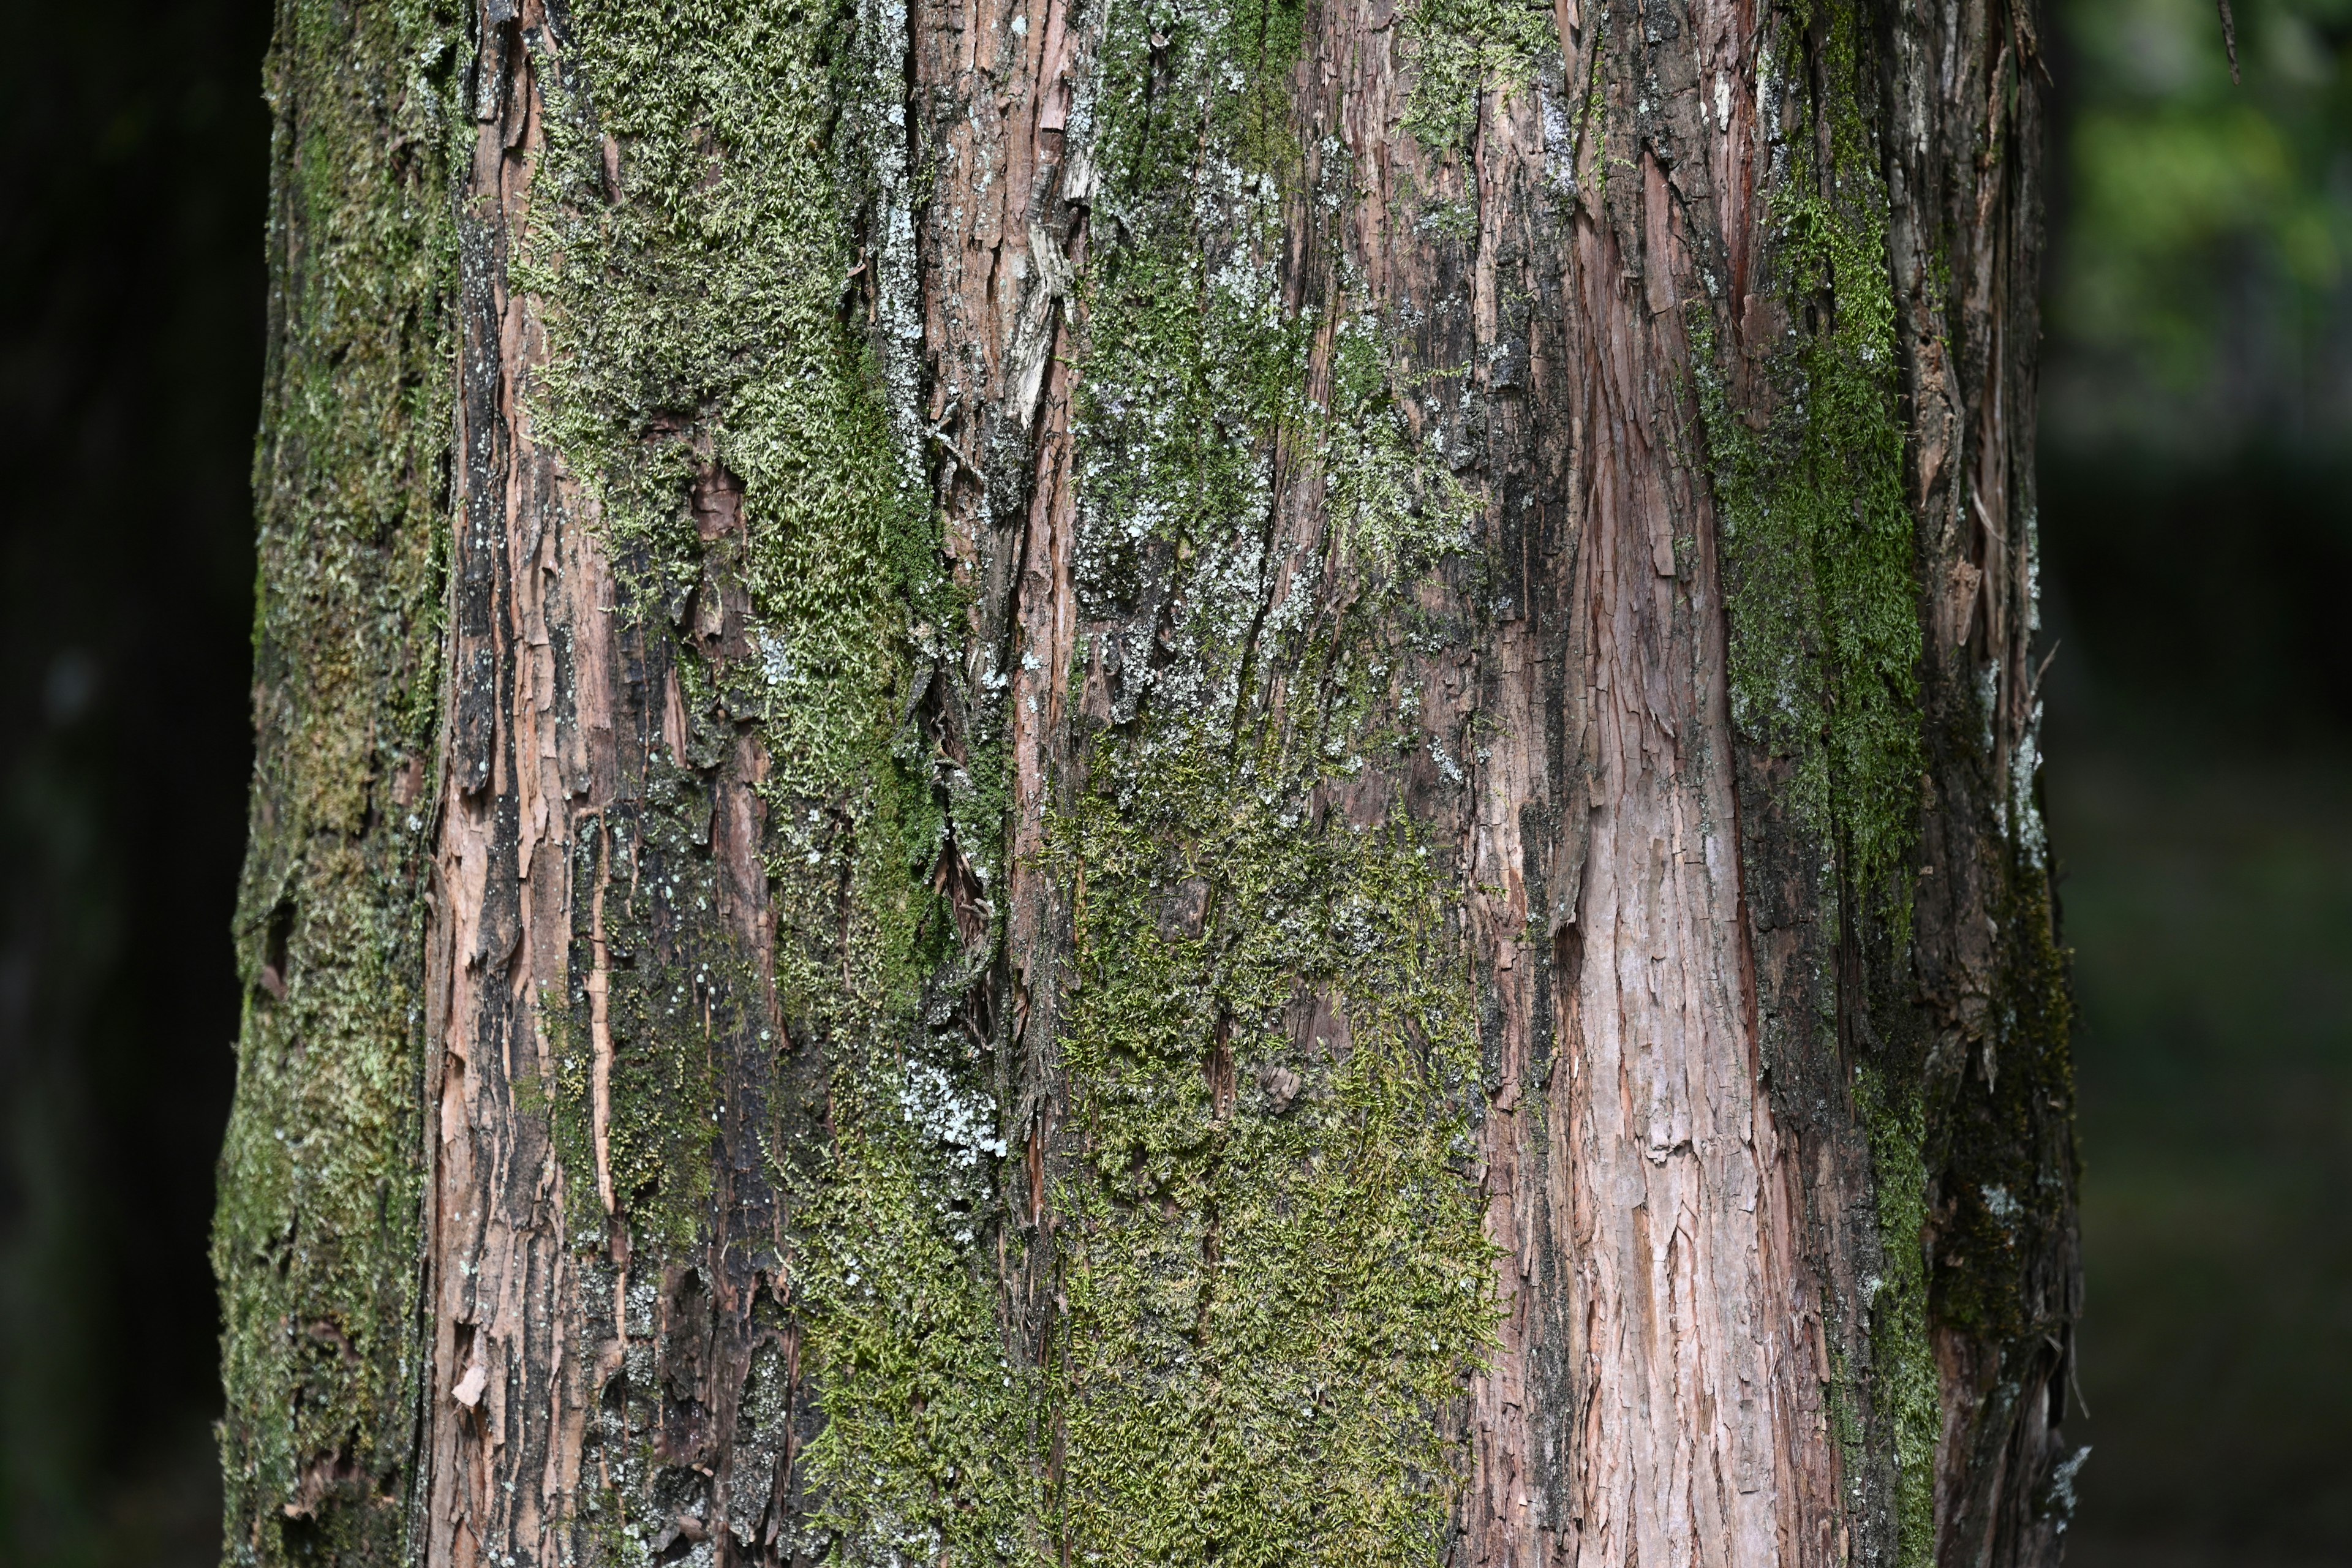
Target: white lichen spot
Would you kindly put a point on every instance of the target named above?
(961, 1122)
(2061, 1485)
(775, 658)
(2025, 766)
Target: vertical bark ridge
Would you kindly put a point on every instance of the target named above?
(316, 1236)
(625, 1105)
(1966, 251)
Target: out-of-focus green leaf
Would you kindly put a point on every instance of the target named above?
(2202, 281)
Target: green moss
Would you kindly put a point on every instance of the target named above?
(726, 303)
(1275, 1270)
(1461, 51)
(710, 245)
(1277, 1274)
(1186, 366)
(1817, 536)
(1820, 553)
(315, 1235)
(1198, 398)
(1216, 83)
(1904, 1390)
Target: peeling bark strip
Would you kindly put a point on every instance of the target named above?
(1069, 781)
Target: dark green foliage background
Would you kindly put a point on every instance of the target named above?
(2197, 462)
(2197, 527)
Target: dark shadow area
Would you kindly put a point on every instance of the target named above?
(2199, 792)
(2197, 542)
(2202, 599)
(132, 204)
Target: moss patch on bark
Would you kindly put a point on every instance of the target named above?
(1462, 49)
(1903, 1384)
(315, 1239)
(719, 248)
(1820, 559)
(1277, 1274)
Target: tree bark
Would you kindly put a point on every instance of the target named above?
(1131, 783)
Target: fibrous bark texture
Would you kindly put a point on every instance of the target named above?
(1102, 781)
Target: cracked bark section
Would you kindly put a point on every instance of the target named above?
(1003, 236)
(1656, 1393)
(569, 1362)
(1965, 150)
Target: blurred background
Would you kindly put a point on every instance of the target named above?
(2197, 536)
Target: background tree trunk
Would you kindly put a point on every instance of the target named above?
(1129, 784)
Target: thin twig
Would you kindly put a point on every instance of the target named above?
(2034, 689)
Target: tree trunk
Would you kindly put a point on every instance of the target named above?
(1083, 782)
